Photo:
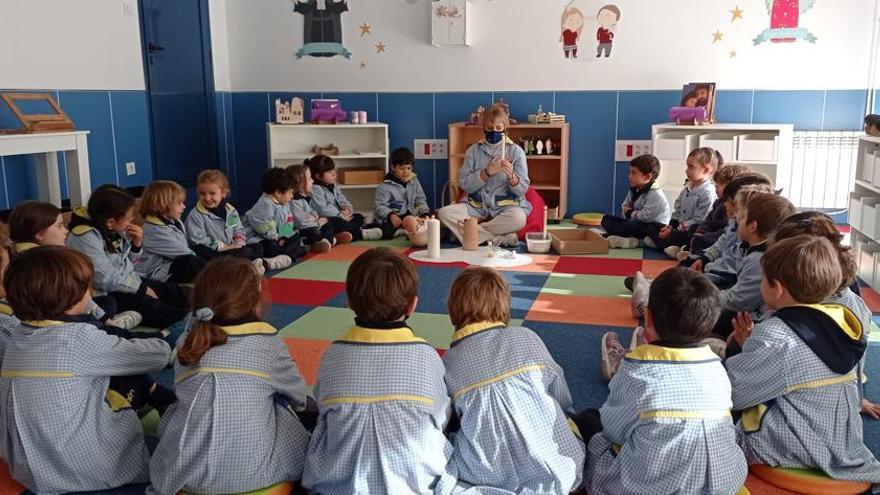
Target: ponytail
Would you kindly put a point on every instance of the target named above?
(203, 336)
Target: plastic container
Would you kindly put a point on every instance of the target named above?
(538, 242)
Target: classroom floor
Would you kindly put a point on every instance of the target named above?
(569, 301)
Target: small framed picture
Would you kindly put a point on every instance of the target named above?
(699, 95)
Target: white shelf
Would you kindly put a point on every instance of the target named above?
(357, 186)
(863, 219)
(341, 125)
(342, 156)
(868, 186)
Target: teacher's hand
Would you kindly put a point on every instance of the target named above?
(507, 168)
(496, 166)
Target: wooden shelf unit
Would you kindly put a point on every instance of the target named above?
(360, 145)
(548, 174)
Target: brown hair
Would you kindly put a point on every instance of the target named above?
(160, 197)
(744, 180)
(705, 157)
(647, 164)
(380, 285)
(213, 176)
(807, 266)
(727, 173)
(745, 194)
(494, 112)
(612, 8)
(230, 302)
(4, 248)
(29, 218)
(478, 294)
(684, 305)
(300, 174)
(44, 282)
(818, 224)
(768, 211)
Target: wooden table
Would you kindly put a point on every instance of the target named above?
(45, 145)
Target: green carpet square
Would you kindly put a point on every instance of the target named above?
(567, 284)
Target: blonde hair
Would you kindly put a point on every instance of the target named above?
(300, 174)
(214, 176)
(478, 294)
(494, 112)
(160, 197)
(727, 173)
(705, 157)
(746, 193)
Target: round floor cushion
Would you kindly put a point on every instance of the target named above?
(588, 219)
(808, 481)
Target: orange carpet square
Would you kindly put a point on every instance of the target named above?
(604, 311)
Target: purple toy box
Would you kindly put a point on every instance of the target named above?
(328, 111)
(689, 115)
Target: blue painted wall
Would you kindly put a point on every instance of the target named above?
(597, 119)
(119, 125)
(120, 133)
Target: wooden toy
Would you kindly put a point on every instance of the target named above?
(37, 122)
(470, 237)
(477, 116)
(542, 117)
(329, 150)
(289, 113)
(327, 112)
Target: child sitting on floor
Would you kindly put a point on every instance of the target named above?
(214, 227)
(234, 427)
(106, 233)
(713, 227)
(819, 224)
(381, 397)
(270, 223)
(400, 197)
(666, 425)
(166, 256)
(506, 390)
(33, 224)
(314, 229)
(8, 321)
(330, 203)
(64, 426)
(645, 206)
(795, 379)
(692, 205)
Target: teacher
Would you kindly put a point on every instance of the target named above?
(495, 177)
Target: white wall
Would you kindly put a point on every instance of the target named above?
(219, 44)
(70, 44)
(659, 44)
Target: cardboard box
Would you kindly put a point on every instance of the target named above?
(360, 175)
(577, 241)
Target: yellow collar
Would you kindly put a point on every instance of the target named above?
(670, 354)
(380, 336)
(43, 323)
(153, 219)
(5, 309)
(842, 316)
(204, 209)
(81, 211)
(473, 328)
(21, 247)
(253, 328)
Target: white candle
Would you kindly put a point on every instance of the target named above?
(433, 238)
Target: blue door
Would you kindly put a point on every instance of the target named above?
(180, 84)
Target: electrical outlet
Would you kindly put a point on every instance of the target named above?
(625, 151)
(431, 149)
(130, 168)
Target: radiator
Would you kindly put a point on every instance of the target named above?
(823, 169)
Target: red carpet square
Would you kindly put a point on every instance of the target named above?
(302, 292)
(585, 310)
(598, 266)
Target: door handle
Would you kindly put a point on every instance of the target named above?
(152, 47)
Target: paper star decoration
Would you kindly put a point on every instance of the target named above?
(716, 36)
(365, 29)
(737, 13)
(732, 53)
(380, 47)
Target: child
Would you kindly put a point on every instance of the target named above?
(63, 426)
(645, 206)
(229, 431)
(666, 425)
(214, 227)
(8, 321)
(314, 229)
(796, 377)
(506, 390)
(106, 234)
(819, 224)
(711, 229)
(401, 195)
(166, 255)
(692, 205)
(330, 203)
(382, 401)
(33, 224)
(270, 223)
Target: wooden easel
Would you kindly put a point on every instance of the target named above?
(59, 121)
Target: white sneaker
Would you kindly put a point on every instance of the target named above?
(639, 301)
(507, 240)
(647, 241)
(126, 320)
(683, 255)
(278, 262)
(259, 267)
(672, 251)
(617, 242)
(399, 233)
(718, 346)
(612, 355)
(371, 234)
